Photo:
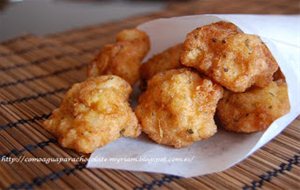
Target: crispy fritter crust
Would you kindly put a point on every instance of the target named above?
(255, 109)
(166, 60)
(122, 58)
(94, 113)
(199, 44)
(178, 108)
(229, 57)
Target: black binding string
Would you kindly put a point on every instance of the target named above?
(29, 79)
(38, 181)
(24, 121)
(33, 97)
(38, 61)
(29, 147)
(269, 175)
(26, 50)
(157, 182)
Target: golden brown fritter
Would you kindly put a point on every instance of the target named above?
(166, 60)
(255, 109)
(94, 113)
(199, 45)
(178, 107)
(122, 58)
(233, 59)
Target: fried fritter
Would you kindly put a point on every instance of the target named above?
(199, 45)
(255, 109)
(178, 108)
(233, 59)
(166, 60)
(122, 58)
(94, 113)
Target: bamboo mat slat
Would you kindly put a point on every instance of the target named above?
(36, 71)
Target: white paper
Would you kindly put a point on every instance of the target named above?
(225, 149)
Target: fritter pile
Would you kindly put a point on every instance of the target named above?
(234, 59)
(255, 109)
(94, 113)
(183, 93)
(122, 58)
(178, 107)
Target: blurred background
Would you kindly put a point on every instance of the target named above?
(40, 17)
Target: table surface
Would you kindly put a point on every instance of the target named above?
(37, 70)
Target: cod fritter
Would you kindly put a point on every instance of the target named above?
(94, 113)
(199, 45)
(178, 108)
(166, 60)
(122, 58)
(234, 59)
(255, 109)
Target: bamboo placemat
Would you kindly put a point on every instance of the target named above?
(36, 71)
